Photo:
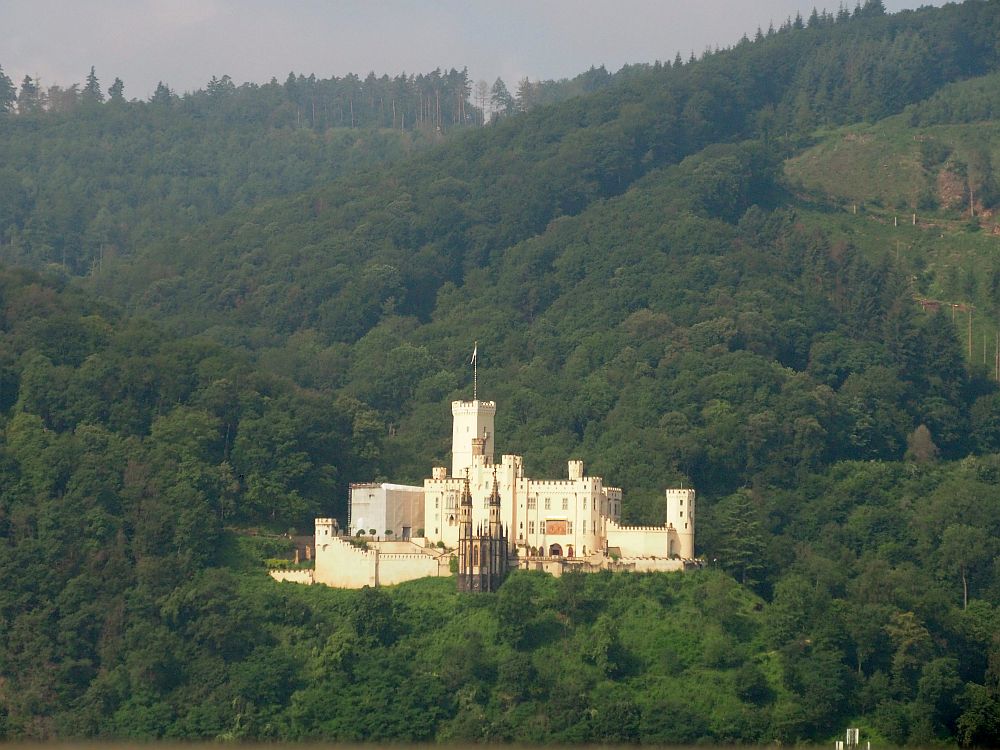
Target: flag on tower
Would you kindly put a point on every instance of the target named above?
(475, 351)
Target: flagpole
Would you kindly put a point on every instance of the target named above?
(475, 372)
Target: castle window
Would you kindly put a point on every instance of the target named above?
(548, 503)
(585, 526)
(531, 527)
(585, 503)
(569, 527)
(532, 503)
(436, 501)
(682, 514)
(565, 503)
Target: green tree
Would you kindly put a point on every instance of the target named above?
(271, 465)
(963, 550)
(501, 99)
(162, 95)
(29, 98)
(116, 92)
(743, 542)
(8, 94)
(92, 93)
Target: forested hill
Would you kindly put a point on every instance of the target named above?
(84, 178)
(427, 221)
(661, 283)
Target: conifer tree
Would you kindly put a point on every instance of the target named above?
(500, 98)
(8, 94)
(117, 90)
(28, 99)
(162, 95)
(92, 89)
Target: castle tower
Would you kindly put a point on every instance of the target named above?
(471, 420)
(680, 515)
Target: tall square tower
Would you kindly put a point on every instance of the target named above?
(470, 420)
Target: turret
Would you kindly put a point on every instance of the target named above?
(680, 515)
(465, 546)
(325, 528)
(495, 508)
(465, 510)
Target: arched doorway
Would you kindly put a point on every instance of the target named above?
(569, 551)
(555, 551)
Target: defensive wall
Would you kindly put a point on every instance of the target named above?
(638, 541)
(295, 576)
(341, 564)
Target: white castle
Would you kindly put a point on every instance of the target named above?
(553, 525)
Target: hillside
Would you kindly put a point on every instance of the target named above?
(666, 277)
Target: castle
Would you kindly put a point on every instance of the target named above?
(490, 513)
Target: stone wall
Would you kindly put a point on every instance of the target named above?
(639, 541)
(342, 565)
(396, 568)
(295, 576)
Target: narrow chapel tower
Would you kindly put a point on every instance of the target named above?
(471, 420)
(465, 534)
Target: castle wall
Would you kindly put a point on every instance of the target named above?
(396, 568)
(342, 565)
(653, 565)
(556, 524)
(295, 576)
(639, 541)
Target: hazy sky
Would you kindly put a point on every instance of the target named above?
(186, 42)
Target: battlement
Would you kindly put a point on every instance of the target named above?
(553, 482)
(614, 526)
(401, 556)
(471, 407)
(352, 548)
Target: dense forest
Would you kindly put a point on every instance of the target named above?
(222, 307)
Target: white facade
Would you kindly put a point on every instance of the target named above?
(398, 508)
(470, 420)
(344, 562)
(564, 517)
(574, 518)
